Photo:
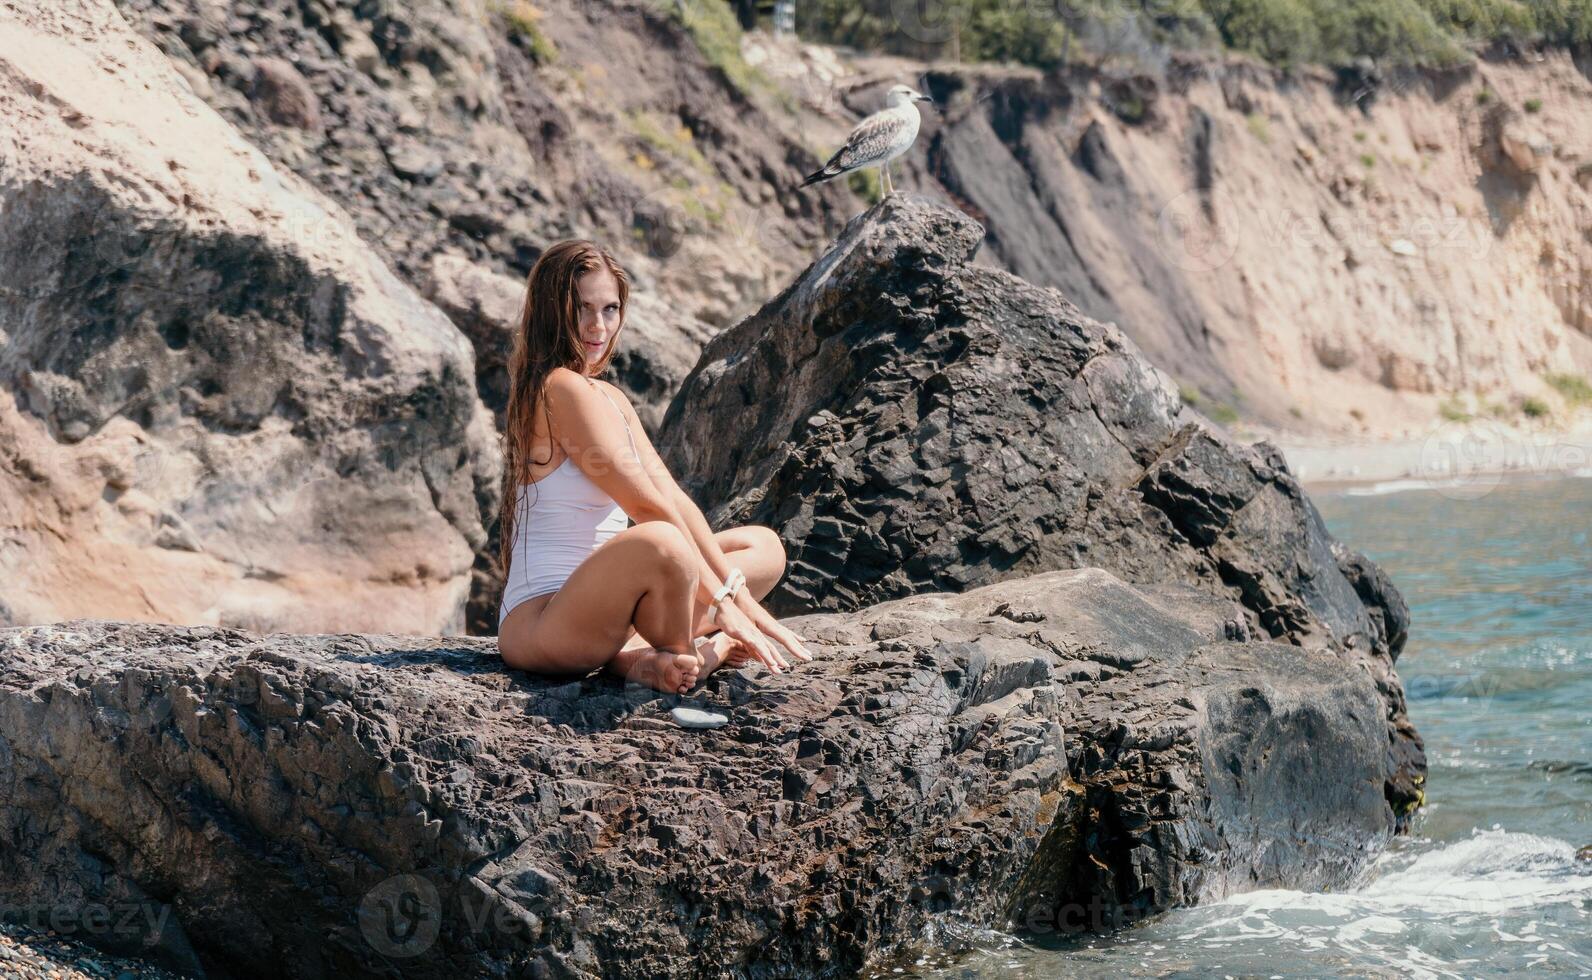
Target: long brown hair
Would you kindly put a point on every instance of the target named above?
(547, 337)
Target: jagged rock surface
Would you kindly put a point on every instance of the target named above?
(216, 405)
(909, 421)
(1035, 752)
(479, 132)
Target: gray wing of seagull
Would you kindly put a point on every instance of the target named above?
(870, 142)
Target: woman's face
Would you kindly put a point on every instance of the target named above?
(599, 312)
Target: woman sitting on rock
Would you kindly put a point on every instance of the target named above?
(582, 590)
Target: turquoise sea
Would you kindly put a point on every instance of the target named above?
(1498, 672)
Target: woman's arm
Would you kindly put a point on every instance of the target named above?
(590, 431)
(592, 434)
(701, 534)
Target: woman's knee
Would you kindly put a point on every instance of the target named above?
(769, 538)
(766, 541)
(666, 545)
(763, 559)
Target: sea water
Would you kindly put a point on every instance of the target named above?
(1498, 674)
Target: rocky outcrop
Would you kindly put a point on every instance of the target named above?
(216, 406)
(910, 421)
(1053, 753)
(474, 133)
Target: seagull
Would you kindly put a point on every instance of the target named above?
(878, 139)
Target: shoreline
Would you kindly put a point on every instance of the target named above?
(1457, 458)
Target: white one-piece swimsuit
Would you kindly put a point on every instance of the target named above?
(559, 520)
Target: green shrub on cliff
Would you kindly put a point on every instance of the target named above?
(716, 33)
(1483, 19)
(1281, 31)
(1573, 388)
(1022, 32)
(1434, 33)
(523, 20)
(972, 30)
(1392, 32)
(677, 142)
(1567, 22)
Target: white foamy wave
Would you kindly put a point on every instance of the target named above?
(1493, 904)
(1421, 916)
(1492, 872)
(1396, 486)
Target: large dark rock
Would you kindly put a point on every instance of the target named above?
(320, 806)
(909, 421)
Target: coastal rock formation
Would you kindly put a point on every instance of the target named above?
(216, 405)
(477, 132)
(909, 421)
(1053, 753)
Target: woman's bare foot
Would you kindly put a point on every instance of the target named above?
(661, 670)
(718, 650)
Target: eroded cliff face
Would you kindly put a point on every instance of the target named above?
(459, 139)
(1292, 254)
(1310, 251)
(465, 137)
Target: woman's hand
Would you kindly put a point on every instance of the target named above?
(735, 624)
(773, 629)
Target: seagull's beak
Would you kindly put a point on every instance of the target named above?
(925, 98)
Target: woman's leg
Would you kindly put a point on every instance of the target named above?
(643, 578)
(759, 554)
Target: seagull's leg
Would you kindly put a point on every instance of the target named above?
(889, 187)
